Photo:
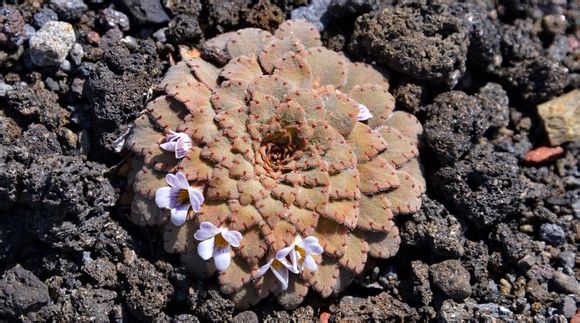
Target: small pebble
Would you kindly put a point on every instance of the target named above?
(93, 38)
(452, 279)
(566, 284)
(52, 43)
(77, 53)
(552, 234)
(113, 18)
(567, 306)
(543, 154)
(43, 16)
(69, 10)
(4, 88)
(561, 117)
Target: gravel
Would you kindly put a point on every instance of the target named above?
(451, 278)
(52, 43)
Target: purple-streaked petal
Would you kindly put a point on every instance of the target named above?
(172, 180)
(205, 248)
(282, 275)
(179, 215)
(196, 198)
(282, 253)
(310, 264)
(264, 269)
(311, 245)
(233, 238)
(182, 145)
(222, 258)
(206, 231)
(182, 181)
(169, 146)
(363, 113)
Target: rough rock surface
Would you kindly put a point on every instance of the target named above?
(51, 44)
(561, 117)
(21, 292)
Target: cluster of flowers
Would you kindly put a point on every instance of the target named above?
(217, 242)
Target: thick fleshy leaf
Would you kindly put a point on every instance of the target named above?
(280, 235)
(219, 150)
(345, 278)
(242, 68)
(314, 198)
(250, 191)
(345, 212)
(285, 193)
(233, 121)
(294, 294)
(199, 125)
(375, 213)
(366, 143)
(205, 72)
(382, 244)
(219, 41)
(247, 41)
(305, 220)
(179, 73)
(276, 48)
(148, 180)
(198, 267)
(191, 94)
(414, 168)
(144, 136)
(241, 168)
(243, 216)
(243, 146)
(401, 148)
(355, 255)
(167, 112)
(325, 278)
(376, 98)
(293, 67)
(262, 107)
(377, 175)
(220, 186)
(195, 168)
(269, 84)
(407, 198)
(341, 111)
(215, 212)
(161, 159)
(235, 276)
(339, 157)
(144, 210)
(290, 114)
(271, 209)
(315, 177)
(345, 185)
(229, 95)
(407, 124)
(178, 239)
(253, 247)
(301, 29)
(331, 236)
(310, 101)
(361, 73)
(327, 66)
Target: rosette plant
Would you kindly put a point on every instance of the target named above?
(293, 146)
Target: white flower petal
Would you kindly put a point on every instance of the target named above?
(196, 198)
(206, 231)
(282, 253)
(163, 197)
(264, 269)
(222, 258)
(282, 275)
(290, 266)
(233, 238)
(364, 113)
(169, 146)
(310, 264)
(205, 248)
(179, 215)
(172, 180)
(182, 181)
(311, 246)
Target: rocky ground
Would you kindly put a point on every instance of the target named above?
(498, 232)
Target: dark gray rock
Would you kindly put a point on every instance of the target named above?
(567, 306)
(186, 7)
(452, 279)
(453, 312)
(225, 15)
(246, 317)
(69, 10)
(184, 29)
(483, 187)
(552, 234)
(112, 18)
(12, 33)
(426, 43)
(43, 16)
(146, 11)
(212, 306)
(565, 283)
(92, 304)
(102, 272)
(21, 292)
(420, 282)
(513, 244)
(146, 291)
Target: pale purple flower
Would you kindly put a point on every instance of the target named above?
(216, 243)
(179, 197)
(300, 253)
(179, 142)
(363, 113)
(280, 267)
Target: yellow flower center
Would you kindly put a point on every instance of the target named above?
(220, 242)
(302, 254)
(277, 264)
(183, 197)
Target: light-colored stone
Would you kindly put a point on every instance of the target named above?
(52, 43)
(561, 117)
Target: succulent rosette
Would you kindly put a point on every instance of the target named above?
(294, 147)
